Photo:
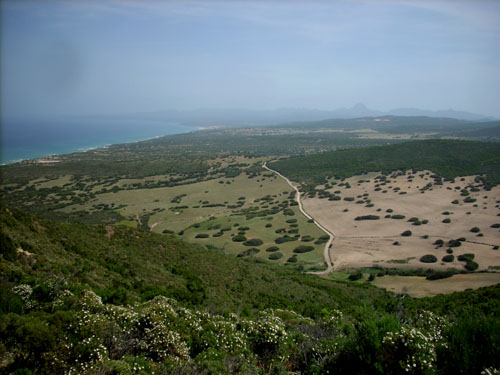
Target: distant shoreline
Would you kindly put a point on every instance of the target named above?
(20, 143)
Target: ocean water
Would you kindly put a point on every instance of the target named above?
(23, 139)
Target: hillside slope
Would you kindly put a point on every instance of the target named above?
(124, 265)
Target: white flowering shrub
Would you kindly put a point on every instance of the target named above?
(490, 371)
(267, 334)
(219, 334)
(25, 292)
(411, 349)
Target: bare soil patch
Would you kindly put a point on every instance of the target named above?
(364, 243)
(420, 287)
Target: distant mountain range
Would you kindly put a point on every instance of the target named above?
(239, 117)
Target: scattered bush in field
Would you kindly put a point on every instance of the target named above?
(292, 259)
(355, 276)
(446, 221)
(239, 238)
(307, 238)
(275, 256)
(244, 228)
(466, 257)
(455, 201)
(448, 258)
(272, 249)
(406, 233)
(367, 217)
(449, 251)
(446, 213)
(249, 252)
(439, 242)
(469, 200)
(413, 219)
(425, 221)
(475, 230)
(291, 221)
(349, 199)
(454, 243)
(288, 212)
(398, 217)
(303, 249)
(389, 210)
(496, 226)
(396, 243)
(285, 238)
(429, 258)
(253, 242)
(201, 235)
(168, 231)
(269, 225)
(471, 266)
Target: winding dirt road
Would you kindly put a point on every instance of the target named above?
(329, 244)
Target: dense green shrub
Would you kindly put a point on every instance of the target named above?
(367, 217)
(275, 256)
(303, 249)
(272, 249)
(429, 258)
(253, 242)
(475, 230)
(398, 217)
(202, 235)
(446, 221)
(239, 238)
(448, 258)
(406, 233)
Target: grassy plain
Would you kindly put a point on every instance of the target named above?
(206, 207)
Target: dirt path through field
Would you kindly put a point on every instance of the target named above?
(329, 244)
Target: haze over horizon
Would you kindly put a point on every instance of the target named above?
(118, 57)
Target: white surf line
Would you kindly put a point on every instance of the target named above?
(328, 245)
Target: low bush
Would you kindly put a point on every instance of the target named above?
(253, 242)
(398, 217)
(469, 257)
(239, 238)
(275, 256)
(406, 233)
(448, 258)
(429, 258)
(272, 249)
(201, 235)
(303, 249)
(367, 217)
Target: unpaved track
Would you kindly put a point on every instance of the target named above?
(329, 244)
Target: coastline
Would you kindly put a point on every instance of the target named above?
(30, 151)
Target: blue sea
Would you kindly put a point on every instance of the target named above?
(24, 139)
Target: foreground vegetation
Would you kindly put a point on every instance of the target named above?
(115, 300)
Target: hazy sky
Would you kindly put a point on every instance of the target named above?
(94, 57)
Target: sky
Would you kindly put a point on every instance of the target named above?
(117, 57)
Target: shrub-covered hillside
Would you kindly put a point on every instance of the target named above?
(81, 299)
(448, 158)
